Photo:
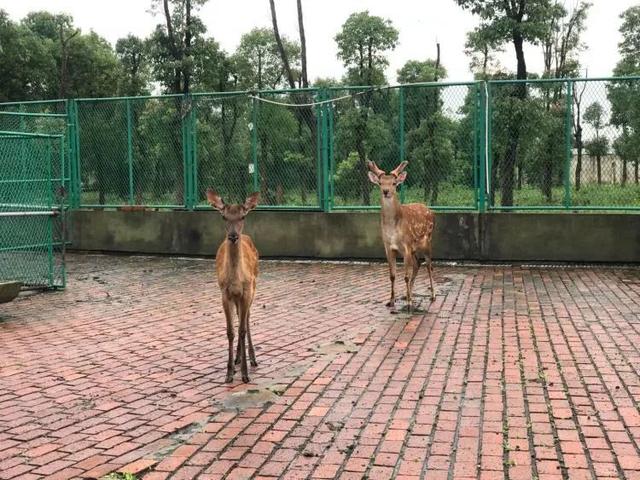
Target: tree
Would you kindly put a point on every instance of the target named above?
(258, 60)
(578, 93)
(171, 44)
(363, 43)
(362, 46)
(24, 62)
(134, 67)
(483, 49)
(598, 146)
(517, 22)
(60, 30)
(624, 95)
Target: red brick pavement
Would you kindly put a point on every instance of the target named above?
(513, 372)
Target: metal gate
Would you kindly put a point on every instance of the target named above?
(33, 176)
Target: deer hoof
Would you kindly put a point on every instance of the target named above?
(390, 303)
(245, 379)
(229, 378)
(433, 298)
(237, 362)
(253, 363)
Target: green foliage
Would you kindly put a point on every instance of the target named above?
(415, 71)
(258, 60)
(363, 43)
(499, 19)
(134, 72)
(24, 59)
(597, 147)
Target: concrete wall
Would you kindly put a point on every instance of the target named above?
(459, 236)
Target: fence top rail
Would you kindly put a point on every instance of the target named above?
(32, 102)
(9, 134)
(564, 80)
(34, 114)
(331, 88)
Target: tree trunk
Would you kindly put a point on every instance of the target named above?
(434, 194)
(636, 171)
(599, 168)
(625, 174)
(510, 159)
(303, 46)
(578, 137)
(519, 177)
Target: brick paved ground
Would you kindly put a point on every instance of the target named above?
(515, 373)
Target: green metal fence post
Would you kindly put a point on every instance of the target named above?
(325, 155)
(481, 144)
(319, 177)
(403, 187)
(50, 217)
(130, 150)
(186, 152)
(76, 173)
(194, 153)
(254, 144)
(568, 145)
(487, 147)
(331, 153)
(63, 216)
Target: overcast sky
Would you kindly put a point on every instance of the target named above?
(420, 23)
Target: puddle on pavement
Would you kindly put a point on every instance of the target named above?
(335, 347)
(252, 398)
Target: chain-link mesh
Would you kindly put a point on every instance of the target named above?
(440, 125)
(286, 150)
(528, 143)
(131, 151)
(31, 209)
(564, 144)
(433, 127)
(539, 144)
(606, 143)
(224, 147)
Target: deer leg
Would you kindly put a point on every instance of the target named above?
(416, 267)
(243, 310)
(252, 353)
(391, 259)
(408, 268)
(237, 362)
(228, 313)
(430, 269)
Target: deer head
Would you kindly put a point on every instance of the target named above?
(388, 182)
(233, 214)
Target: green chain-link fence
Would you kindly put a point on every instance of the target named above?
(547, 144)
(564, 144)
(33, 175)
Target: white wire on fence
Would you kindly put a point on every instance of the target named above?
(313, 104)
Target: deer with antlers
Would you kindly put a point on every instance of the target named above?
(237, 270)
(406, 230)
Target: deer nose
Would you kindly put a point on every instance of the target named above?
(233, 237)
(386, 192)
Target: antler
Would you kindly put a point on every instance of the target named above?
(374, 168)
(398, 170)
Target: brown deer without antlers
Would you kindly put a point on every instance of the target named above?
(406, 229)
(237, 269)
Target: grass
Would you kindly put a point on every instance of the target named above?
(119, 476)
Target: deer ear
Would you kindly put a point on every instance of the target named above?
(401, 178)
(215, 200)
(252, 201)
(374, 178)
